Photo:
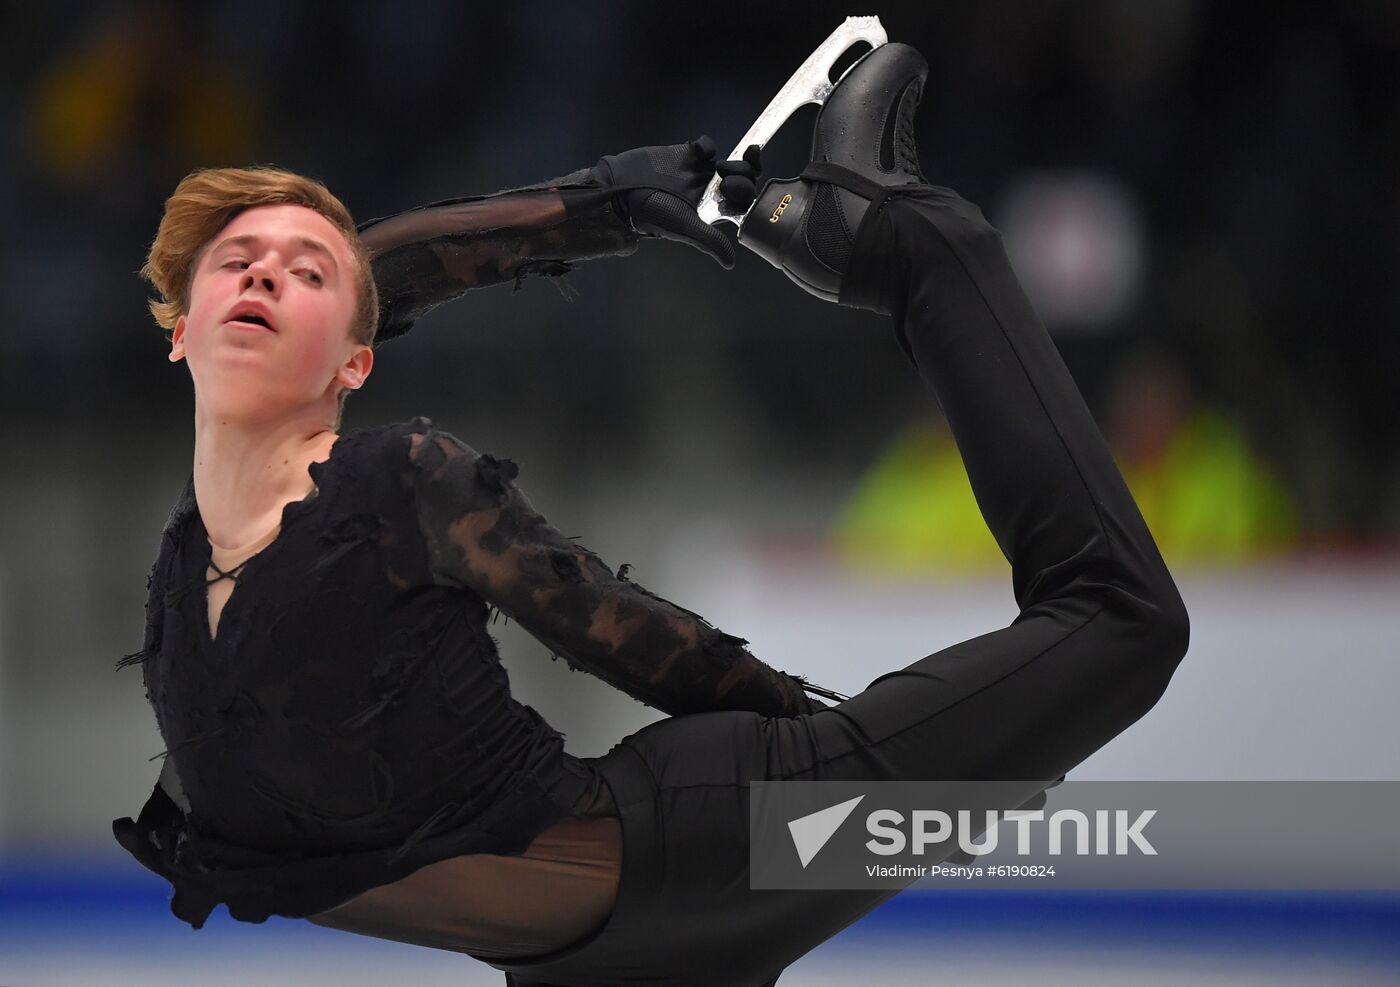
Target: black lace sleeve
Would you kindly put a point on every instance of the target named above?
(482, 534)
(434, 253)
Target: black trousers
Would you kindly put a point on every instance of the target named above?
(1100, 631)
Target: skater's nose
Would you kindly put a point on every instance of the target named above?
(261, 275)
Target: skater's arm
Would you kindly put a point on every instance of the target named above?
(482, 534)
(432, 254)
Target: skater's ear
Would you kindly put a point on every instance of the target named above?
(177, 341)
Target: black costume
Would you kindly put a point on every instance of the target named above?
(352, 722)
(300, 765)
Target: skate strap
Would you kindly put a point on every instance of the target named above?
(825, 171)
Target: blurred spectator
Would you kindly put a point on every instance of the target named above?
(1206, 497)
(135, 96)
(913, 513)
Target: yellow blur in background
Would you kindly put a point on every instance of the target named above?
(1205, 496)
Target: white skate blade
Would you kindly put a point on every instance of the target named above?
(811, 83)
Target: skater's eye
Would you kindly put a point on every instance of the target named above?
(311, 275)
(237, 263)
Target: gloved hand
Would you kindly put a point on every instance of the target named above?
(660, 186)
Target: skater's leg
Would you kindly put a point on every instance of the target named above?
(1100, 630)
(1101, 626)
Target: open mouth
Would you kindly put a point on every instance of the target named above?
(249, 319)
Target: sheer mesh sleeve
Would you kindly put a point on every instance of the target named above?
(434, 253)
(483, 534)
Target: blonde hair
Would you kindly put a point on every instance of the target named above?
(207, 200)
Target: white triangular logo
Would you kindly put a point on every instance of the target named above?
(810, 833)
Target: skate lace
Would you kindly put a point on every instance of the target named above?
(906, 148)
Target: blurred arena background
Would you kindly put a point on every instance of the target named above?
(1203, 201)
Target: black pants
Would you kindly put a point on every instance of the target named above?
(1100, 631)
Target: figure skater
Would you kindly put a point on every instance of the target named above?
(342, 742)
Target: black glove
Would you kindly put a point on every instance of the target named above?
(660, 186)
(739, 180)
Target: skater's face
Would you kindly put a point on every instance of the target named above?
(272, 300)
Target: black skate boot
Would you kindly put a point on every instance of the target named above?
(862, 144)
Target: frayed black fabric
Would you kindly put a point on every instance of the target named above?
(351, 722)
(432, 254)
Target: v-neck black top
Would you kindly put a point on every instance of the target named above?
(350, 723)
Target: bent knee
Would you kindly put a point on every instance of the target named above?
(1161, 630)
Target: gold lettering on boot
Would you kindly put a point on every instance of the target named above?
(781, 206)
